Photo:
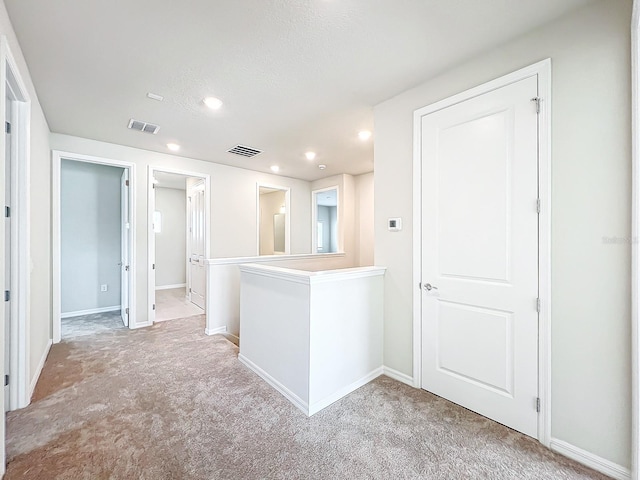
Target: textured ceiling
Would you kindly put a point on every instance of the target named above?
(294, 75)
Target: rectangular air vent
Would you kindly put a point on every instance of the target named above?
(143, 126)
(244, 151)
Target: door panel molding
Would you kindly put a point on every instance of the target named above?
(541, 70)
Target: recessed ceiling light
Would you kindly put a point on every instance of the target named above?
(310, 155)
(213, 103)
(275, 168)
(174, 147)
(364, 135)
(322, 167)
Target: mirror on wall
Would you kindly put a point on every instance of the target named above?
(325, 220)
(273, 220)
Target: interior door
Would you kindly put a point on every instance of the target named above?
(480, 254)
(7, 254)
(197, 274)
(124, 247)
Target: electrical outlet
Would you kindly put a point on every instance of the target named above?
(103, 288)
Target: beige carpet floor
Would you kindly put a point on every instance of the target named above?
(169, 402)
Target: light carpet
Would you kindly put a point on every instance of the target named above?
(168, 402)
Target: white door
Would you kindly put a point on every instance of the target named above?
(124, 247)
(197, 274)
(7, 255)
(480, 254)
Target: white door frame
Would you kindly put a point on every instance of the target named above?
(57, 157)
(314, 218)
(287, 220)
(635, 236)
(151, 236)
(543, 71)
(12, 84)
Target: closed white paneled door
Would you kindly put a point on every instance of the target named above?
(480, 254)
(197, 273)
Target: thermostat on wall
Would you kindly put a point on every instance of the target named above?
(395, 224)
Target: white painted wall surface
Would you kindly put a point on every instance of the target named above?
(233, 227)
(171, 242)
(364, 199)
(591, 171)
(39, 310)
(90, 236)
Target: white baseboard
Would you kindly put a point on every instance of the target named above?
(590, 460)
(169, 287)
(288, 394)
(39, 368)
(90, 311)
(140, 325)
(213, 331)
(399, 376)
(316, 407)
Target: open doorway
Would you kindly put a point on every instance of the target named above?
(325, 220)
(93, 248)
(93, 233)
(178, 244)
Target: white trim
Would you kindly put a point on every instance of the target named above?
(324, 403)
(56, 159)
(215, 331)
(36, 377)
(91, 311)
(287, 220)
(271, 258)
(151, 237)
(169, 287)
(288, 394)
(542, 70)
(590, 460)
(397, 375)
(314, 219)
(635, 232)
(21, 232)
(141, 325)
(308, 278)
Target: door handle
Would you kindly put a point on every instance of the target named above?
(428, 287)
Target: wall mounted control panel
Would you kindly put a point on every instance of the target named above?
(395, 224)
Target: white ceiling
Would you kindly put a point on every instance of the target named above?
(171, 180)
(294, 75)
(328, 198)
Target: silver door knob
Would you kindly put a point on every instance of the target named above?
(428, 287)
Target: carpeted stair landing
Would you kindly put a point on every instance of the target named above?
(168, 402)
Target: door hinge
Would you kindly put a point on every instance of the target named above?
(7, 211)
(153, 266)
(153, 307)
(7, 295)
(126, 268)
(7, 127)
(6, 380)
(538, 404)
(538, 205)
(126, 310)
(538, 304)
(420, 286)
(126, 183)
(537, 100)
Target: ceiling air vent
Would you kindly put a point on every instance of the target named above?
(244, 151)
(143, 126)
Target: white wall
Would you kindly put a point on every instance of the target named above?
(364, 237)
(233, 227)
(171, 242)
(39, 307)
(591, 171)
(270, 204)
(90, 236)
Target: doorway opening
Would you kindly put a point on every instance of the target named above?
(93, 235)
(325, 220)
(274, 222)
(178, 243)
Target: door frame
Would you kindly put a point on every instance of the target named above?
(287, 222)
(314, 218)
(11, 83)
(56, 283)
(543, 71)
(151, 236)
(635, 249)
